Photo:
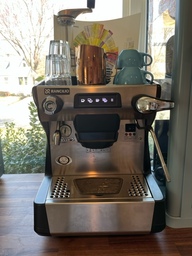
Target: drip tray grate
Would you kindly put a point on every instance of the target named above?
(99, 186)
(136, 188)
(60, 189)
(81, 188)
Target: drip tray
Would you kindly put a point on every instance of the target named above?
(103, 187)
(98, 186)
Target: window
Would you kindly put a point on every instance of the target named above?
(21, 134)
(27, 67)
(161, 29)
(25, 79)
(20, 80)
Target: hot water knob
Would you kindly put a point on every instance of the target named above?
(52, 105)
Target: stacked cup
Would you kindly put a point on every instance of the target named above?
(58, 64)
(129, 64)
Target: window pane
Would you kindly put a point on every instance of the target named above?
(161, 29)
(22, 56)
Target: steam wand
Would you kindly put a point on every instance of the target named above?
(147, 105)
(163, 164)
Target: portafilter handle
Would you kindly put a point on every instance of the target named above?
(145, 104)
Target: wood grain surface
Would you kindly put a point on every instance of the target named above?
(17, 237)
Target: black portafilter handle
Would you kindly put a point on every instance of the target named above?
(146, 104)
(91, 4)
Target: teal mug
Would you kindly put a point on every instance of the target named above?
(133, 58)
(133, 75)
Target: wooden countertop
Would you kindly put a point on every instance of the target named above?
(17, 238)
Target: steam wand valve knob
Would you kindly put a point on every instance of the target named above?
(52, 105)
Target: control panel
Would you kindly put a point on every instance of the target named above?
(97, 100)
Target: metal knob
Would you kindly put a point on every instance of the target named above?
(50, 105)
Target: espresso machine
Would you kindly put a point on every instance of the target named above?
(98, 177)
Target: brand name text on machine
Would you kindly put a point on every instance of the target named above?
(49, 91)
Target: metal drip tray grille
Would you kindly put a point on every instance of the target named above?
(98, 186)
(136, 188)
(60, 189)
(122, 187)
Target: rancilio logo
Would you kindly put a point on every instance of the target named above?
(57, 91)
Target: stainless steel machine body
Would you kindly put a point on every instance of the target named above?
(98, 177)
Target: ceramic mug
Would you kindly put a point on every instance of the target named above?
(133, 58)
(133, 75)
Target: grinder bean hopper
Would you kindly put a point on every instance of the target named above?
(63, 30)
